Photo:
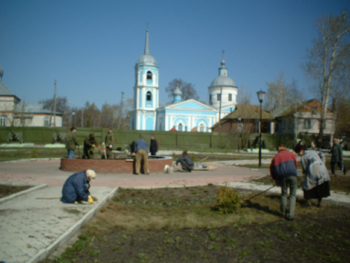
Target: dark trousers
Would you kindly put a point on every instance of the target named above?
(341, 166)
(185, 166)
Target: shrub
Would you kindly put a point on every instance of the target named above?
(34, 154)
(228, 201)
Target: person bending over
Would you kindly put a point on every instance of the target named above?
(76, 187)
(283, 169)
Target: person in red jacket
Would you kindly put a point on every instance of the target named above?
(283, 169)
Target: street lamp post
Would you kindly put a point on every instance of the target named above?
(239, 130)
(261, 95)
(73, 114)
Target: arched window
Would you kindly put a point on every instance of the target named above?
(201, 127)
(149, 96)
(180, 127)
(149, 75)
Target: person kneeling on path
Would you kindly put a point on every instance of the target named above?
(283, 169)
(76, 187)
(186, 162)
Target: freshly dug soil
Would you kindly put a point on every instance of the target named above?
(317, 236)
(6, 190)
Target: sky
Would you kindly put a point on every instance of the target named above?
(91, 47)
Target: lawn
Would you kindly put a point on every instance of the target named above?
(183, 225)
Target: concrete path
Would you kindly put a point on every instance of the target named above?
(35, 223)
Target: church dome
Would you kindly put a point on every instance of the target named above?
(146, 58)
(223, 81)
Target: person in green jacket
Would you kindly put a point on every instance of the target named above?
(337, 157)
(71, 142)
(89, 145)
(109, 140)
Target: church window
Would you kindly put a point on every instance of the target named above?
(149, 96)
(210, 99)
(229, 97)
(218, 97)
(201, 127)
(180, 127)
(149, 75)
(2, 121)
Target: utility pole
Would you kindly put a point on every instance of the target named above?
(54, 105)
(53, 109)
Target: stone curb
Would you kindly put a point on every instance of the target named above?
(41, 255)
(22, 192)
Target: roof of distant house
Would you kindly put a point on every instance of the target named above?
(34, 109)
(246, 112)
(304, 106)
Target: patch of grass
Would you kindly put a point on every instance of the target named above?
(10, 154)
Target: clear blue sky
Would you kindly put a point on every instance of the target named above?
(91, 47)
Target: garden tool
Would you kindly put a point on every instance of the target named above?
(248, 202)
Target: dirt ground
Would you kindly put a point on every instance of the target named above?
(6, 190)
(316, 235)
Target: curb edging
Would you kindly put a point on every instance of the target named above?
(42, 254)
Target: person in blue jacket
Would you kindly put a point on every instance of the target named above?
(76, 187)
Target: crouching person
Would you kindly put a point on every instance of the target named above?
(186, 163)
(76, 187)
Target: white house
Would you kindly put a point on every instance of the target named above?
(14, 113)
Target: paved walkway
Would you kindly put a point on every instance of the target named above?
(34, 223)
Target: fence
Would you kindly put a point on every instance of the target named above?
(166, 139)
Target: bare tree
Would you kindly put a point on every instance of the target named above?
(61, 106)
(188, 91)
(244, 97)
(328, 60)
(280, 93)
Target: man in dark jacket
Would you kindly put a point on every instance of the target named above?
(186, 162)
(337, 157)
(76, 187)
(109, 140)
(71, 142)
(153, 148)
(89, 145)
(283, 169)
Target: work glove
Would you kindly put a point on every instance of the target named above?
(90, 200)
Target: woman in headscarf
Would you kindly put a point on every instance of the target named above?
(316, 184)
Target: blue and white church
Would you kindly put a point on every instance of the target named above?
(187, 115)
